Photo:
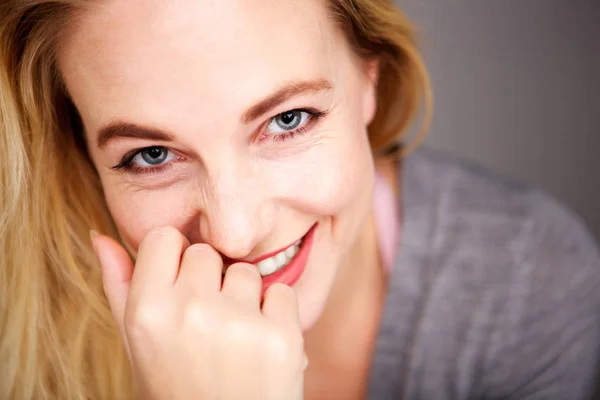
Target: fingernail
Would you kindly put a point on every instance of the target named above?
(305, 365)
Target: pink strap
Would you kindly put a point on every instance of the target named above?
(386, 220)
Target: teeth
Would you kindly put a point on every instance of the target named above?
(291, 251)
(267, 267)
(279, 260)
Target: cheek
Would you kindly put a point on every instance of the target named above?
(334, 176)
(135, 213)
(336, 186)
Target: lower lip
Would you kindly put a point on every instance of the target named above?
(292, 272)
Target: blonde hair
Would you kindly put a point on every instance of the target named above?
(58, 338)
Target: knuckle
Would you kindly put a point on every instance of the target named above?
(281, 345)
(279, 289)
(197, 317)
(240, 333)
(281, 294)
(143, 319)
(204, 250)
(295, 339)
(161, 233)
(244, 271)
(238, 330)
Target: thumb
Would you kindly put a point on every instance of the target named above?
(117, 270)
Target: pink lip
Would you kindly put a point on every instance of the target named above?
(271, 254)
(229, 261)
(292, 272)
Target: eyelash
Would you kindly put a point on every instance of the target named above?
(126, 163)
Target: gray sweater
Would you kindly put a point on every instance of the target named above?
(495, 293)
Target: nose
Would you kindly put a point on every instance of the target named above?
(234, 218)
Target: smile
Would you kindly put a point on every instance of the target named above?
(285, 265)
(278, 261)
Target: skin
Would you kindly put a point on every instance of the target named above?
(192, 69)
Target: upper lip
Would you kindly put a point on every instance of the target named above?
(229, 261)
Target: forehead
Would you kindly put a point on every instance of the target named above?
(149, 57)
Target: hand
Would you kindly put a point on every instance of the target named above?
(189, 338)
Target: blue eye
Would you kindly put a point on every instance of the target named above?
(146, 159)
(153, 155)
(288, 121)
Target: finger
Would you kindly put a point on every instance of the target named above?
(117, 270)
(243, 285)
(158, 260)
(201, 269)
(280, 305)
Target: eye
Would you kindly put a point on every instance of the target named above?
(288, 121)
(152, 159)
(152, 156)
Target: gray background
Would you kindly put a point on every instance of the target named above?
(517, 89)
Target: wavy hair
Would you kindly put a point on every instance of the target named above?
(58, 339)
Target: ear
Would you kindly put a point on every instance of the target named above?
(370, 89)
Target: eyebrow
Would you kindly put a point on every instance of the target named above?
(129, 130)
(284, 94)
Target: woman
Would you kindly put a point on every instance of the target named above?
(237, 164)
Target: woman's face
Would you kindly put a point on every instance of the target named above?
(241, 123)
